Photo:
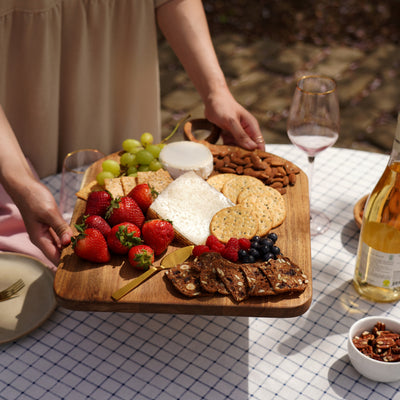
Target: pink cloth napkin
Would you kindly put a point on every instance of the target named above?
(13, 235)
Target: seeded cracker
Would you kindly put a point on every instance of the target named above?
(114, 186)
(284, 275)
(90, 187)
(234, 281)
(234, 186)
(158, 180)
(128, 183)
(257, 282)
(218, 181)
(265, 215)
(237, 222)
(267, 198)
(185, 279)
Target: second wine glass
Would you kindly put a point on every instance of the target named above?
(313, 126)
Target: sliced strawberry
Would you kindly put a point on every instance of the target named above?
(141, 256)
(144, 195)
(158, 234)
(122, 237)
(124, 209)
(98, 203)
(91, 245)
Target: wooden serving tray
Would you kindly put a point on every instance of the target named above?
(81, 285)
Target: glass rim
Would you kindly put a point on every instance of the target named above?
(71, 153)
(325, 77)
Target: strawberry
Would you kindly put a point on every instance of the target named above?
(122, 237)
(144, 195)
(91, 245)
(158, 234)
(141, 256)
(200, 249)
(214, 244)
(124, 209)
(97, 222)
(98, 203)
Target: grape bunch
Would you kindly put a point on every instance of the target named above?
(138, 156)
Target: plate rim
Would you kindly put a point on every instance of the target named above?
(48, 313)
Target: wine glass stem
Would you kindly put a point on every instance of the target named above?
(311, 160)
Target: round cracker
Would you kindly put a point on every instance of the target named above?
(234, 222)
(267, 197)
(234, 186)
(263, 214)
(218, 181)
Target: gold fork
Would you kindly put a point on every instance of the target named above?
(12, 290)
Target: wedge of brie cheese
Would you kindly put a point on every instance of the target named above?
(181, 157)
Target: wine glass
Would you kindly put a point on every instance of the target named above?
(75, 165)
(313, 126)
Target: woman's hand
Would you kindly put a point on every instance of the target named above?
(238, 126)
(43, 221)
(190, 39)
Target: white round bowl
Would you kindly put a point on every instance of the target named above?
(375, 370)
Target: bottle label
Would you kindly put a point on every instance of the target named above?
(378, 268)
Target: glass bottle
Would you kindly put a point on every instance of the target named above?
(377, 273)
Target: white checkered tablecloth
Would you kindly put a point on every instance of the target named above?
(87, 355)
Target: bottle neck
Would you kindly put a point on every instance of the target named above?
(395, 154)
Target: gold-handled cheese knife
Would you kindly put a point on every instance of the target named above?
(170, 260)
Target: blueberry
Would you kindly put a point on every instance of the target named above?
(250, 259)
(245, 259)
(242, 254)
(254, 252)
(264, 249)
(268, 256)
(255, 239)
(273, 236)
(266, 242)
(275, 250)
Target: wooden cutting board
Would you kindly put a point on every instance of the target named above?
(81, 285)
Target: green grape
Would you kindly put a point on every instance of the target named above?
(128, 159)
(155, 165)
(103, 175)
(130, 145)
(136, 149)
(131, 170)
(153, 149)
(144, 157)
(133, 175)
(161, 145)
(144, 168)
(146, 138)
(111, 166)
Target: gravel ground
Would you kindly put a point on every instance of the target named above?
(357, 23)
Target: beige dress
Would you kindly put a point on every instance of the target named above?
(78, 74)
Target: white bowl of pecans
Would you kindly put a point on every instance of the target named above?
(374, 348)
